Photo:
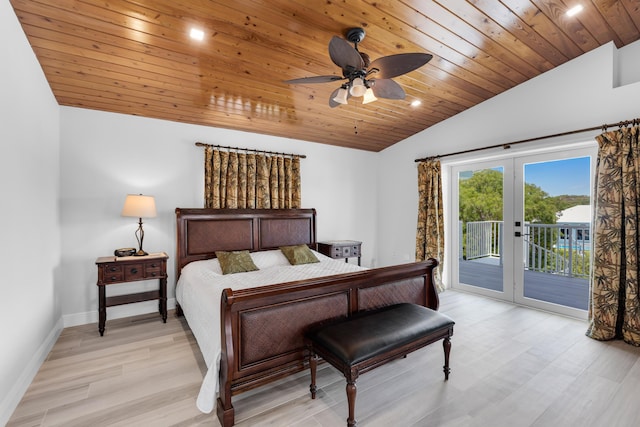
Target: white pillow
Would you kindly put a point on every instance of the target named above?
(207, 266)
(213, 265)
(322, 257)
(262, 260)
(266, 259)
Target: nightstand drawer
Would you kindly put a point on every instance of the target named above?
(153, 269)
(345, 251)
(112, 273)
(350, 251)
(133, 272)
(340, 249)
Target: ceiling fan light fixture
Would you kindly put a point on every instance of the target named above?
(357, 87)
(369, 96)
(357, 68)
(341, 96)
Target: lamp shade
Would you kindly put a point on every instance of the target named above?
(139, 206)
(369, 96)
(341, 96)
(357, 87)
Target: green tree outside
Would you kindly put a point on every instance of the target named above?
(481, 199)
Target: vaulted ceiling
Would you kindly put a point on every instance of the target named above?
(136, 57)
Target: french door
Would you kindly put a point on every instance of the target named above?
(483, 254)
(521, 229)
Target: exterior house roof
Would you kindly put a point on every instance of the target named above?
(575, 214)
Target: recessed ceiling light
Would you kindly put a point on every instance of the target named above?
(197, 34)
(415, 103)
(575, 10)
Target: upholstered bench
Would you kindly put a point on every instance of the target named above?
(365, 341)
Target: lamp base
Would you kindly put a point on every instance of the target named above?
(140, 238)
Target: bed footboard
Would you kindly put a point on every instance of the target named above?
(263, 328)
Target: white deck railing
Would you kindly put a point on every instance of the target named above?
(484, 238)
(562, 249)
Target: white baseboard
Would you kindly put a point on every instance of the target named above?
(11, 401)
(118, 312)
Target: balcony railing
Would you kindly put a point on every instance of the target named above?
(483, 239)
(562, 249)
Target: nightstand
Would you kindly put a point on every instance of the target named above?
(113, 270)
(340, 249)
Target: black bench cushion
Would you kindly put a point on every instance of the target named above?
(369, 334)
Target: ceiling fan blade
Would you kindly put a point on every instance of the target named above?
(397, 65)
(387, 88)
(344, 55)
(315, 79)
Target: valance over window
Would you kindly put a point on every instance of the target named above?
(237, 180)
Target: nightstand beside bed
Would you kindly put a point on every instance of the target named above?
(341, 249)
(114, 270)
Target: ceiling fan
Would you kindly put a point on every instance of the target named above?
(366, 79)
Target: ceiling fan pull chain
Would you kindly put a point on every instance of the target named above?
(355, 121)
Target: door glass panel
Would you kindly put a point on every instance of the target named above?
(557, 231)
(480, 203)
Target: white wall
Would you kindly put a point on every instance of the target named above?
(104, 156)
(65, 172)
(579, 94)
(628, 70)
(29, 185)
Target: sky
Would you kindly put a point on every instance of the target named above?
(569, 176)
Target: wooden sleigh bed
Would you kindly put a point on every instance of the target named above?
(262, 328)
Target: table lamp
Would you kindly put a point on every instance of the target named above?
(139, 206)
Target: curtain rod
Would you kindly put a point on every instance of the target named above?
(509, 144)
(202, 144)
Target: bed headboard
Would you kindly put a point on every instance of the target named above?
(201, 232)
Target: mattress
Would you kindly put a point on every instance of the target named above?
(199, 289)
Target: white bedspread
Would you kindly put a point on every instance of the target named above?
(199, 289)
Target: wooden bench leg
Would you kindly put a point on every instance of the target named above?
(313, 365)
(351, 399)
(447, 349)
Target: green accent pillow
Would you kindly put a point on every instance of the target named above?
(235, 262)
(299, 254)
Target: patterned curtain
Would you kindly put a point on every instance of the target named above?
(614, 309)
(253, 181)
(430, 233)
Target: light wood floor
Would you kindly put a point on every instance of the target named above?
(511, 366)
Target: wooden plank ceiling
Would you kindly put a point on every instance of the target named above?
(136, 57)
